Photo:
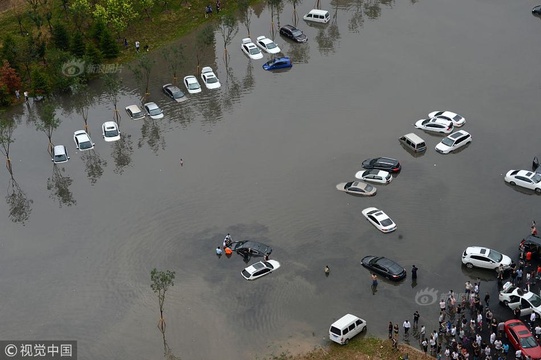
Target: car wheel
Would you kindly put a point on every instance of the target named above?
(512, 183)
(538, 190)
(346, 342)
(469, 265)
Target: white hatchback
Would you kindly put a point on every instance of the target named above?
(482, 257)
(453, 142)
(110, 132)
(435, 125)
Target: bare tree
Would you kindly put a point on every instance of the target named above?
(141, 71)
(204, 39)
(161, 282)
(174, 57)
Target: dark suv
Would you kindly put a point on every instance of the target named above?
(251, 248)
(382, 163)
(293, 33)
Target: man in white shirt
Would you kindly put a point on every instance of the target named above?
(406, 326)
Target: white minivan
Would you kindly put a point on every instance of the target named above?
(316, 15)
(345, 328)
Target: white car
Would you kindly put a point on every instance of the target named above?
(374, 175)
(524, 178)
(249, 48)
(82, 140)
(192, 85)
(153, 110)
(457, 120)
(134, 112)
(514, 297)
(482, 257)
(454, 141)
(60, 154)
(435, 125)
(267, 45)
(379, 219)
(259, 269)
(209, 78)
(110, 132)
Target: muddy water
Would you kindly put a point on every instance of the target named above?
(261, 158)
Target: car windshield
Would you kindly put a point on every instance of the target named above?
(211, 80)
(137, 114)
(254, 51)
(155, 111)
(61, 157)
(85, 145)
(494, 255)
(368, 187)
(178, 94)
(386, 222)
(110, 133)
(271, 45)
(447, 141)
(535, 300)
(536, 178)
(296, 33)
(193, 86)
(528, 342)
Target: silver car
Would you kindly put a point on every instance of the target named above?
(60, 154)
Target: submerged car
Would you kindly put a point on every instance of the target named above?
(536, 10)
(293, 33)
(109, 131)
(482, 257)
(153, 110)
(174, 92)
(134, 112)
(437, 125)
(515, 297)
(267, 45)
(82, 140)
(60, 154)
(357, 188)
(457, 120)
(379, 219)
(453, 142)
(374, 175)
(521, 338)
(382, 163)
(192, 85)
(249, 48)
(524, 178)
(259, 269)
(278, 63)
(384, 267)
(209, 78)
(251, 248)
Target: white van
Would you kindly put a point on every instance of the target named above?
(413, 142)
(316, 15)
(345, 328)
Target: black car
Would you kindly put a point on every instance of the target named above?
(293, 33)
(384, 267)
(536, 10)
(382, 163)
(250, 248)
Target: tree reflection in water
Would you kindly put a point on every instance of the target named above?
(59, 185)
(93, 165)
(122, 151)
(19, 205)
(151, 133)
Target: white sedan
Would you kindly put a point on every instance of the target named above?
(374, 175)
(435, 125)
(259, 269)
(82, 140)
(209, 78)
(379, 219)
(249, 48)
(192, 85)
(514, 297)
(109, 131)
(153, 110)
(453, 142)
(524, 178)
(267, 45)
(457, 120)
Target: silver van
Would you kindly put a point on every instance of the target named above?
(316, 15)
(413, 142)
(343, 329)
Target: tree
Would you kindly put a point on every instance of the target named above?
(97, 30)
(80, 11)
(228, 27)
(146, 6)
(93, 55)
(59, 185)
(245, 14)
(82, 99)
(40, 83)
(108, 46)
(295, 16)
(141, 71)
(161, 281)
(6, 139)
(78, 45)
(112, 89)
(48, 123)
(10, 50)
(116, 13)
(9, 77)
(204, 39)
(61, 37)
(174, 57)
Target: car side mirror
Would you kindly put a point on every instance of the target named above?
(68, 157)
(52, 160)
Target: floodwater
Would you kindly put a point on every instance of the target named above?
(262, 156)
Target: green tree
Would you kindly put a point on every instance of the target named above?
(47, 123)
(97, 30)
(116, 13)
(146, 6)
(161, 281)
(112, 89)
(57, 61)
(40, 83)
(108, 45)
(10, 50)
(5, 96)
(81, 11)
(78, 45)
(61, 38)
(174, 57)
(93, 55)
(228, 28)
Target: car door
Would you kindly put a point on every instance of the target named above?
(481, 261)
(373, 219)
(261, 272)
(525, 307)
